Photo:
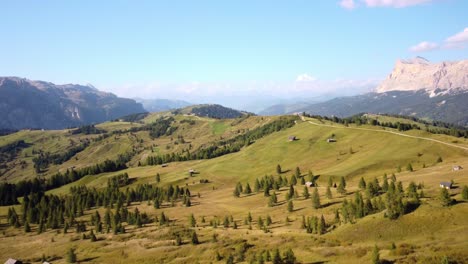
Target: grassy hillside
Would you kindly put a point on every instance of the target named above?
(425, 235)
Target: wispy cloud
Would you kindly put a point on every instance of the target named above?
(457, 41)
(348, 4)
(424, 46)
(395, 3)
(351, 4)
(305, 78)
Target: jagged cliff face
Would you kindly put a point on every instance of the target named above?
(36, 104)
(418, 73)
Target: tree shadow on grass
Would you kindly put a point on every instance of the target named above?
(88, 259)
(330, 204)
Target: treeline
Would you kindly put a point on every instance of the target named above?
(133, 117)
(361, 119)
(10, 192)
(56, 212)
(216, 111)
(10, 151)
(224, 147)
(7, 131)
(87, 130)
(44, 159)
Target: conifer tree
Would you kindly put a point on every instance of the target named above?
(328, 194)
(289, 257)
(278, 169)
(71, 256)
(315, 199)
(290, 206)
(192, 220)
(362, 184)
(465, 193)
(375, 255)
(444, 197)
(306, 193)
(194, 239)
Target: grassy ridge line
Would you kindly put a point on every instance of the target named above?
(391, 132)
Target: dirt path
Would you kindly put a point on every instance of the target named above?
(390, 132)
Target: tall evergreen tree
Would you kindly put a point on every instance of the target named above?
(444, 197)
(465, 193)
(315, 199)
(278, 169)
(290, 206)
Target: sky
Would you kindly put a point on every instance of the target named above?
(203, 51)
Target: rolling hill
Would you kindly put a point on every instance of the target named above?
(428, 233)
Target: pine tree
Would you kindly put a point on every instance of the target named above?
(257, 186)
(192, 220)
(385, 183)
(444, 197)
(194, 238)
(375, 255)
(328, 194)
(289, 257)
(465, 193)
(293, 180)
(247, 189)
(342, 186)
(158, 178)
(230, 259)
(268, 220)
(27, 227)
(276, 257)
(297, 172)
(330, 181)
(92, 236)
(409, 167)
(290, 206)
(315, 199)
(236, 192)
(305, 193)
(278, 169)
(310, 176)
(362, 184)
(71, 256)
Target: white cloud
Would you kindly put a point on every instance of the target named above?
(305, 78)
(348, 4)
(394, 3)
(424, 46)
(461, 37)
(351, 4)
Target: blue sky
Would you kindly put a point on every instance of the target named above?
(205, 49)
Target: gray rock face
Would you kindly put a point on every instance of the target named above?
(37, 104)
(419, 73)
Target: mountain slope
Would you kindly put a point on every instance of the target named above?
(437, 91)
(36, 104)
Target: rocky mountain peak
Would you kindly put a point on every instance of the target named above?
(418, 73)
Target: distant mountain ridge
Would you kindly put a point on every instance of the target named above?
(416, 87)
(159, 105)
(37, 104)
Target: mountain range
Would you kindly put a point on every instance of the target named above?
(415, 87)
(36, 104)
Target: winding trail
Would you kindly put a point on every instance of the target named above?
(389, 132)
